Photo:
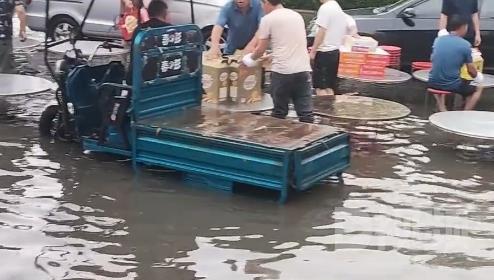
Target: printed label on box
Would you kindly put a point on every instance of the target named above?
(233, 92)
(207, 81)
(223, 76)
(250, 82)
(223, 93)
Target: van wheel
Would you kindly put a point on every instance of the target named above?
(62, 27)
(206, 34)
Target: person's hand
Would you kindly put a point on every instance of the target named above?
(312, 56)
(213, 53)
(248, 61)
(22, 35)
(478, 40)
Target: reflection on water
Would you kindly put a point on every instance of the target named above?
(416, 202)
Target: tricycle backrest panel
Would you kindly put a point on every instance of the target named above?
(167, 70)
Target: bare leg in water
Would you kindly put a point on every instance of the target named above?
(473, 99)
(441, 102)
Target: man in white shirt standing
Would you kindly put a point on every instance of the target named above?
(290, 72)
(333, 25)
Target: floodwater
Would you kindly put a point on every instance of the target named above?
(416, 203)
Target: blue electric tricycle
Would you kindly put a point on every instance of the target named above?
(159, 121)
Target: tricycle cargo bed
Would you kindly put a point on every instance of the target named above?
(243, 148)
(159, 121)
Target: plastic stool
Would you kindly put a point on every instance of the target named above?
(439, 92)
(444, 93)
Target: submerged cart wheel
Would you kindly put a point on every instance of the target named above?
(48, 122)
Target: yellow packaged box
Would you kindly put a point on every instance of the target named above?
(215, 79)
(478, 61)
(245, 84)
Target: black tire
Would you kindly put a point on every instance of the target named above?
(206, 34)
(60, 21)
(48, 121)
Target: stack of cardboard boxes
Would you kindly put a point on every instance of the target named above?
(223, 79)
(361, 57)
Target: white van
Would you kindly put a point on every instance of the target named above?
(66, 15)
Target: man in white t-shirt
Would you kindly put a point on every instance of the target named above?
(333, 25)
(284, 29)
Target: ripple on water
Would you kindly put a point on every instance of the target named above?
(40, 236)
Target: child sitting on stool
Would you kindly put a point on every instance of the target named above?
(450, 53)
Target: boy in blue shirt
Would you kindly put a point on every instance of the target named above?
(449, 54)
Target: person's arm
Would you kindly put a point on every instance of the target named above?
(321, 33)
(217, 32)
(215, 51)
(443, 22)
(476, 26)
(445, 12)
(252, 45)
(261, 48)
(21, 14)
(263, 38)
(322, 19)
(472, 70)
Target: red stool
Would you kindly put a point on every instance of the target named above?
(438, 92)
(440, 96)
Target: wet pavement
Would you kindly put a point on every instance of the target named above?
(417, 202)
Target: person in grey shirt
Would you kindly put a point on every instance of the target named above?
(284, 29)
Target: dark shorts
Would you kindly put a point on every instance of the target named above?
(325, 72)
(465, 89)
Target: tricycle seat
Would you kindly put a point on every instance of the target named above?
(83, 91)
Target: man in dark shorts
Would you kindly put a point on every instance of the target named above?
(332, 26)
(465, 8)
(449, 54)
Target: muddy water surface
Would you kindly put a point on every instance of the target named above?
(416, 203)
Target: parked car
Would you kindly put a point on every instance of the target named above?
(67, 15)
(413, 26)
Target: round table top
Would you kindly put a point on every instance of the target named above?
(391, 76)
(264, 105)
(423, 75)
(89, 48)
(359, 108)
(27, 44)
(13, 84)
(474, 124)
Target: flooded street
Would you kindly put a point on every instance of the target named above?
(416, 202)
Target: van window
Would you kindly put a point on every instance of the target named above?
(428, 9)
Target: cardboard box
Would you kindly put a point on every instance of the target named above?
(362, 44)
(224, 79)
(478, 61)
(215, 79)
(245, 84)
